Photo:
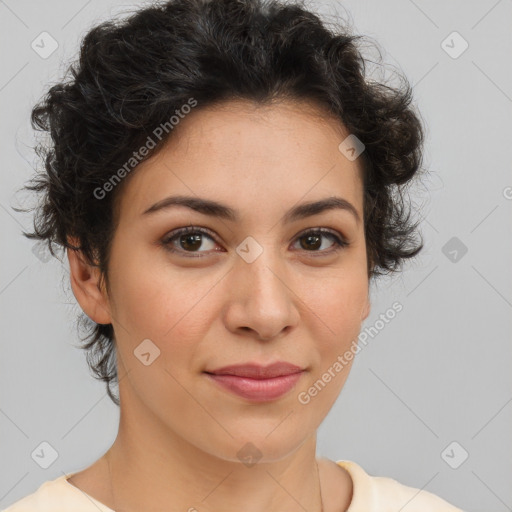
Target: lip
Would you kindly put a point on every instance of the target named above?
(258, 383)
(258, 371)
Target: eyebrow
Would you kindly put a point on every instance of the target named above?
(215, 209)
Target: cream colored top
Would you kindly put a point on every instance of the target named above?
(370, 494)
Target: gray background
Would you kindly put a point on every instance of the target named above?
(439, 372)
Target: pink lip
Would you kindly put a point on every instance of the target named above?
(258, 390)
(258, 383)
(257, 371)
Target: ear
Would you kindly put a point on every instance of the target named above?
(85, 282)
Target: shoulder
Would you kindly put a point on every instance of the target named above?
(383, 494)
(57, 495)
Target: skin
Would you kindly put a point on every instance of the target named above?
(179, 433)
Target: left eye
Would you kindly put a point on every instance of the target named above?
(313, 239)
(190, 239)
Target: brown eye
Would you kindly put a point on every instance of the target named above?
(312, 241)
(189, 240)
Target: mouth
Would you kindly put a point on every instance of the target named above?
(255, 382)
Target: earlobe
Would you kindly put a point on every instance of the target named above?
(85, 282)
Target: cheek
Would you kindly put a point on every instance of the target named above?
(335, 315)
(336, 303)
(174, 312)
(151, 297)
(172, 308)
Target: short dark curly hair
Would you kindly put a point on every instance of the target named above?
(134, 74)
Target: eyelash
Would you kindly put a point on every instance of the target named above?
(339, 242)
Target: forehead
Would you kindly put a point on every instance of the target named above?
(238, 151)
(245, 128)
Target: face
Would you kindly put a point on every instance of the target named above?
(262, 286)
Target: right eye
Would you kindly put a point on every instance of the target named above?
(187, 240)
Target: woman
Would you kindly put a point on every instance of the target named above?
(226, 183)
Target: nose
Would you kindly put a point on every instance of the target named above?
(262, 300)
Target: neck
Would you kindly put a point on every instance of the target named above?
(145, 477)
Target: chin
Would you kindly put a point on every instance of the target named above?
(251, 445)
